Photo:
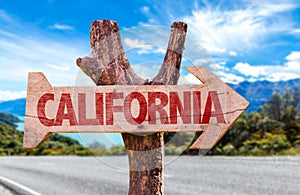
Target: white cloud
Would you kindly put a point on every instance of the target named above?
(226, 26)
(160, 50)
(142, 46)
(57, 67)
(143, 51)
(25, 54)
(232, 53)
(271, 7)
(229, 77)
(225, 76)
(294, 56)
(146, 70)
(61, 27)
(248, 70)
(26, 49)
(204, 61)
(295, 31)
(289, 70)
(293, 62)
(238, 29)
(11, 95)
(252, 79)
(227, 29)
(282, 76)
(145, 9)
(135, 43)
(293, 65)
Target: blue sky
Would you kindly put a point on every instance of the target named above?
(245, 40)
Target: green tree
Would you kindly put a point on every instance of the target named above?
(273, 108)
(269, 144)
(287, 116)
(275, 129)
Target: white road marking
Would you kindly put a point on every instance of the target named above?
(17, 187)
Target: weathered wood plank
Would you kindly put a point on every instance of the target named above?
(135, 110)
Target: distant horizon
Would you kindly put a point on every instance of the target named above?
(107, 139)
(233, 84)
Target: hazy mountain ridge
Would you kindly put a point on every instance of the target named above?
(9, 119)
(260, 92)
(15, 107)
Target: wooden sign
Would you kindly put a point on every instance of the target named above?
(211, 107)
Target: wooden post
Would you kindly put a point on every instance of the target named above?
(108, 65)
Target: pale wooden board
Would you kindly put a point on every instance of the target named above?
(232, 106)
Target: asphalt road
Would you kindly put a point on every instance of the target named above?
(183, 175)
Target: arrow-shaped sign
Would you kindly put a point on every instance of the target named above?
(211, 108)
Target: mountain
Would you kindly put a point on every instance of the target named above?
(256, 93)
(15, 107)
(260, 92)
(9, 119)
(11, 142)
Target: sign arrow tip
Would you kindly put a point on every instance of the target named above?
(234, 106)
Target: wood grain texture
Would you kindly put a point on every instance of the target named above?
(85, 110)
(108, 65)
